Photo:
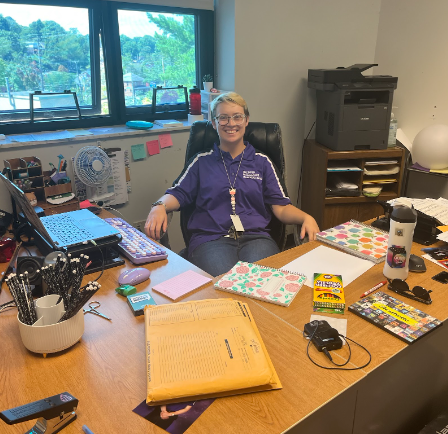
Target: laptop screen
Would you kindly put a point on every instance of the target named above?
(29, 212)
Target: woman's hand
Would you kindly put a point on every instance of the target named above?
(156, 223)
(310, 227)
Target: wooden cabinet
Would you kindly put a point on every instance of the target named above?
(332, 210)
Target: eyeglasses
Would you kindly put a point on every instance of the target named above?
(417, 293)
(238, 119)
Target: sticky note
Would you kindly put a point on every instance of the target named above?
(138, 152)
(153, 147)
(165, 140)
(181, 284)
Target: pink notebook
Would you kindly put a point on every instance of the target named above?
(182, 284)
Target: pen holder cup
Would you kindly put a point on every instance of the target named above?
(51, 338)
(49, 309)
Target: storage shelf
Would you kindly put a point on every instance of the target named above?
(361, 199)
(333, 210)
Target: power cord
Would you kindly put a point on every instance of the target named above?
(327, 353)
(102, 263)
(8, 305)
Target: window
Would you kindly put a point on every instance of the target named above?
(111, 54)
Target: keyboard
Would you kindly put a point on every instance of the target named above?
(65, 228)
(136, 246)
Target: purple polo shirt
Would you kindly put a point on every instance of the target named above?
(205, 183)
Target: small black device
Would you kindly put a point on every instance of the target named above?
(54, 413)
(32, 265)
(323, 336)
(416, 264)
(442, 277)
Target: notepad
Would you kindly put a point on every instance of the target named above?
(182, 284)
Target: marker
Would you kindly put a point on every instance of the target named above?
(86, 429)
(374, 288)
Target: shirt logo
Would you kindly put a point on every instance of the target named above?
(251, 174)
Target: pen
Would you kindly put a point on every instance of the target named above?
(378, 286)
(86, 429)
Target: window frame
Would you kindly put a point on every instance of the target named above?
(103, 21)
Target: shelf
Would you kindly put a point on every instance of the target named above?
(361, 199)
(333, 210)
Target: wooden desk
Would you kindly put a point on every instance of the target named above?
(106, 370)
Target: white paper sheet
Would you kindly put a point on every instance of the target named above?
(117, 181)
(325, 260)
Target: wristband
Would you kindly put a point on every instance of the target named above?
(159, 202)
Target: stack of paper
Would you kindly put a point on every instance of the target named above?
(204, 349)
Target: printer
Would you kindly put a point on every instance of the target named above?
(353, 110)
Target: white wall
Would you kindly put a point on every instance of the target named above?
(275, 45)
(149, 177)
(412, 41)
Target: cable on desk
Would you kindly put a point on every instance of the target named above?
(107, 207)
(327, 353)
(7, 305)
(102, 264)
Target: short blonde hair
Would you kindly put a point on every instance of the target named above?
(231, 97)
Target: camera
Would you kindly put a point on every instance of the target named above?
(323, 335)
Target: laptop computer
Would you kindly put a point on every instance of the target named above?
(65, 230)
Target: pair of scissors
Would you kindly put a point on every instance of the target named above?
(92, 309)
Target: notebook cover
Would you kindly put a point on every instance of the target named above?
(262, 283)
(395, 317)
(328, 291)
(358, 239)
(182, 284)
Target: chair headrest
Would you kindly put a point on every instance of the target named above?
(265, 137)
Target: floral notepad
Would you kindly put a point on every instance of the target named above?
(358, 239)
(263, 283)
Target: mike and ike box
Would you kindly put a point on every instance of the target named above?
(328, 293)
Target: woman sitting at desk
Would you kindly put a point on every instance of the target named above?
(234, 188)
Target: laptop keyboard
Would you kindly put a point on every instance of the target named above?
(65, 229)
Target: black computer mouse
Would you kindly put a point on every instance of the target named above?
(416, 264)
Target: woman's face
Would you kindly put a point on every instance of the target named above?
(231, 133)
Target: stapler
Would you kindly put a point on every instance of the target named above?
(54, 413)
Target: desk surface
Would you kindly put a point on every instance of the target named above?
(106, 370)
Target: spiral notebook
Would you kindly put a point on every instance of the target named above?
(357, 239)
(262, 283)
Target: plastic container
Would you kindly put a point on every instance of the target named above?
(195, 101)
(47, 335)
(393, 126)
(402, 224)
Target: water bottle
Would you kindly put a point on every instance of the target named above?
(402, 224)
(195, 101)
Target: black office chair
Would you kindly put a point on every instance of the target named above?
(265, 138)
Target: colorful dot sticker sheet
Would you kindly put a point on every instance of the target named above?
(358, 239)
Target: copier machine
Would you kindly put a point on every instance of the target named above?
(353, 110)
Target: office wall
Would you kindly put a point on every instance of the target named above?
(149, 177)
(412, 40)
(275, 43)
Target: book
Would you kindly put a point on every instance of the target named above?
(328, 293)
(168, 123)
(401, 320)
(137, 302)
(358, 239)
(204, 349)
(262, 283)
(181, 284)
